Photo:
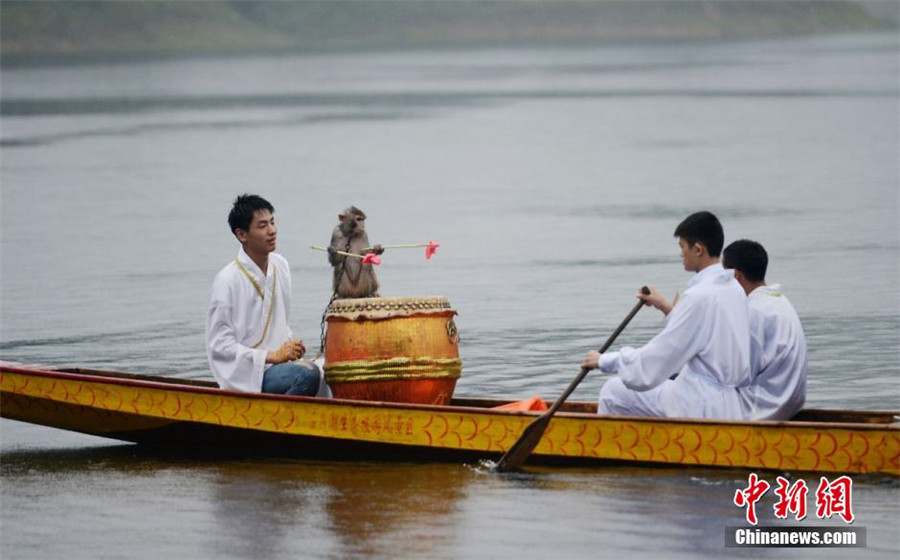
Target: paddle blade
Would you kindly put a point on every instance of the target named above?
(516, 455)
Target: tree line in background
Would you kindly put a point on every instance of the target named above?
(65, 30)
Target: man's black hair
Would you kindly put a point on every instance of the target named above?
(705, 228)
(749, 257)
(245, 205)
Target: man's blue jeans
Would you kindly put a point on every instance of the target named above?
(292, 378)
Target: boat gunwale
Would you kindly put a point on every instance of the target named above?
(184, 385)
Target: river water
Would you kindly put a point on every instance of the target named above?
(552, 178)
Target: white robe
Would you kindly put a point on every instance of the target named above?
(237, 317)
(705, 339)
(777, 357)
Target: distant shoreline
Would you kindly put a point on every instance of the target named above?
(84, 32)
(39, 60)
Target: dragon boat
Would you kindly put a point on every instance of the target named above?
(391, 365)
(195, 414)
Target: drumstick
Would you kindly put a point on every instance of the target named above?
(430, 248)
(317, 248)
(368, 258)
(413, 246)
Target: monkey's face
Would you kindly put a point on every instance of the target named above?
(359, 224)
(353, 224)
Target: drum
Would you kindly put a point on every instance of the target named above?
(392, 349)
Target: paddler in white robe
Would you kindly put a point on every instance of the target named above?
(778, 355)
(250, 346)
(705, 340)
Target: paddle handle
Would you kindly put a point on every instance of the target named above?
(609, 341)
(637, 307)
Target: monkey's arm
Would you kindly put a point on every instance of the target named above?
(337, 244)
(361, 244)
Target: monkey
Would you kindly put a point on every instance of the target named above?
(352, 278)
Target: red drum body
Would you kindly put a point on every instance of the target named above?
(392, 349)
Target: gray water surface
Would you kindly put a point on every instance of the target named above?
(552, 178)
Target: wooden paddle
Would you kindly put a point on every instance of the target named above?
(522, 448)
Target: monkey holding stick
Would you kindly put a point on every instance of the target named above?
(352, 277)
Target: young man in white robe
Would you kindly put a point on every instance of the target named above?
(705, 340)
(778, 359)
(249, 342)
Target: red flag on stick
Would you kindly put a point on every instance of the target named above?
(430, 250)
(371, 258)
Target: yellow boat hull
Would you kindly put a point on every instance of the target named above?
(165, 410)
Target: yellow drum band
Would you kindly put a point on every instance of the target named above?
(395, 368)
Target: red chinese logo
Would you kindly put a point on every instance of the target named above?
(791, 498)
(833, 498)
(750, 495)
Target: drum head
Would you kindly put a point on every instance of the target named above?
(386, 308)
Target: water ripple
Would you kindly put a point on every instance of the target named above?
(19, 107)
(194, 125)
(605, 263)
(160, 332)
(659, 211)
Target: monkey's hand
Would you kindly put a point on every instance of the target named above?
(333, 257)
(378, 249)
